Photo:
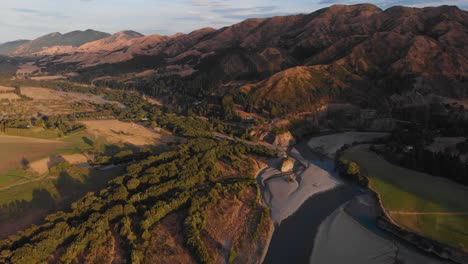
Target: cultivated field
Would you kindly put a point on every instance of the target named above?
(4, 89)
(118, 132)
(14, 150)
(18, 153)
(432, 206)
(51, 102)
(41, 94)
(9, 96)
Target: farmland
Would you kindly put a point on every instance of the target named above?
(48, 101)
(5, 89)
(28, 157)
(431, 206)
(124, 133)
(17, 149)
(9, 96)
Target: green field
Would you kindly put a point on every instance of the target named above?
(17, 183)
(34, 132)
(80, 142)
(405, 190)
(76, 180)
(21, 186)
(17, 152)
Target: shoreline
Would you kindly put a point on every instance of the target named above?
(296, 238)
(293, 241)
(267, 242)
(284, 193)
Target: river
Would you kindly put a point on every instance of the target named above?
(320, 220)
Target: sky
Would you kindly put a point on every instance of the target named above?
(29, 19)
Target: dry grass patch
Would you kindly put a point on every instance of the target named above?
(37, 93)
(48, 78)
(167, 242)
(42, 166)
(19, 151)
(4, 89)
(124, 133)
(230, 240)
(9, 96)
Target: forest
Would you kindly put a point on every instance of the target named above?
(409, 148)
(184, 182)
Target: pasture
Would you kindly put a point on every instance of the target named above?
(20, 151)
(119, 132)
(9, 96)
(432, 206)
(50, 102)
(5, 89)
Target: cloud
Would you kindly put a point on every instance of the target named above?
(210, 3)
(241, 13)
(40, 13)
(256, 15)
(230, 10)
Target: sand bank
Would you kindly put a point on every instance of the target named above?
(349, 235)
(284, 193)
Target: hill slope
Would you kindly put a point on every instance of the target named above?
(373, 53)
(73, 39)
(182, 206)
(8, 47)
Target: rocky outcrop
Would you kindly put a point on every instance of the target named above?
(284, 139)
(287, 165)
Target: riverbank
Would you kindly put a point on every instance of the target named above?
(294, 240)
(350, 235)
(284, 193)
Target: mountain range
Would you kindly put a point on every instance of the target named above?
(285, 63)
(56, 39)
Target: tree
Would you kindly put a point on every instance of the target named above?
(39, 122)
(353, 169)
(229, 109)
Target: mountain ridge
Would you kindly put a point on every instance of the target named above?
(73, 38)
(385, 51)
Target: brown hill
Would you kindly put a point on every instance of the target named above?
(373, 51)
(73, 39)
(116, 41)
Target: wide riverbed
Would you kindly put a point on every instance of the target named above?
(318, 231)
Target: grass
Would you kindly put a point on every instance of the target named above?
(451, 229)
(405, 190)
(81, 142)
(16, 152)
(232, 255)
(25, 191)
(22, 182)
(14, 176)
(34, 132)
(80, 179)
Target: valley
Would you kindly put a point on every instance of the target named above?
(337, 136)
